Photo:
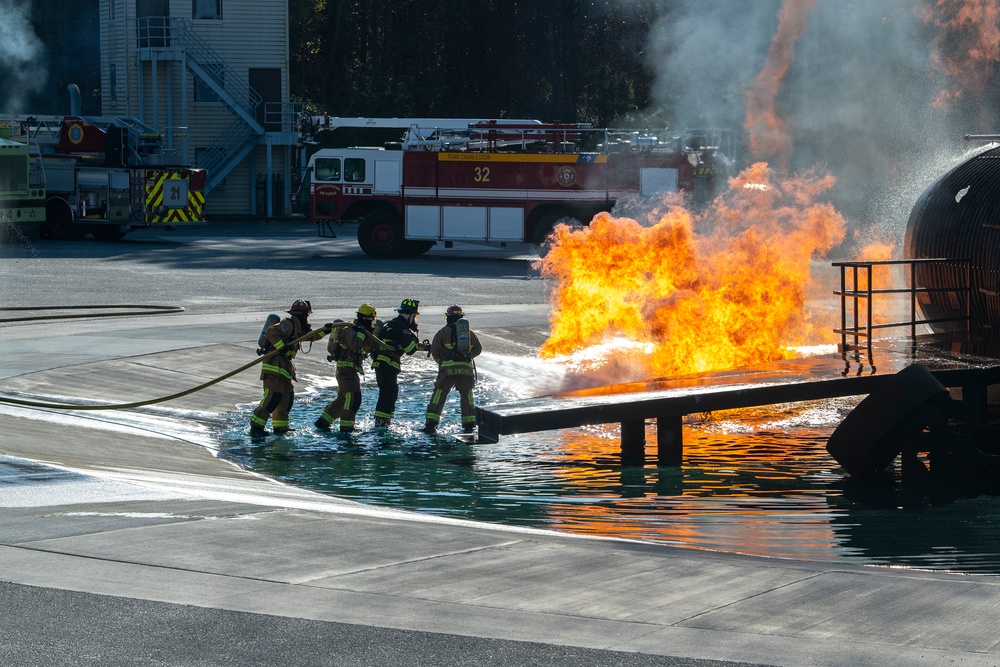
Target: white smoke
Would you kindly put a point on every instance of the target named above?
(857, 98)
(22, 54)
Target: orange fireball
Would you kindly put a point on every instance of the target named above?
(694, 292)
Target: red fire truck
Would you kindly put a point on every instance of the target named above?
(107, 175)
(497, 181)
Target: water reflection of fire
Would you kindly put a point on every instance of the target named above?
(699, 292)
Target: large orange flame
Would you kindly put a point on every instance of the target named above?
(696, 292)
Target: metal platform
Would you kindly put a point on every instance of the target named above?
(956, 364)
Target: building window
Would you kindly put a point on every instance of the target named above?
(113, 82)
(204, 92)
(207, 9)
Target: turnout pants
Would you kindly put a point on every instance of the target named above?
(464, 382)
(279, 394)
(388, 392)
(345, 406)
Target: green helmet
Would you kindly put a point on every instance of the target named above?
(408, 306)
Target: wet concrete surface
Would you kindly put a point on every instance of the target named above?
(125, 540)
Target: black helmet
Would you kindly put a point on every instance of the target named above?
(408, 306)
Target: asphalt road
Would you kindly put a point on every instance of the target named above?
(253, 267)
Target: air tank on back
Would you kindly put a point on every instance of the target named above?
(958, 217)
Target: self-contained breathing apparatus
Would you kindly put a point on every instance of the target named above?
(333, 345)
(263, 345)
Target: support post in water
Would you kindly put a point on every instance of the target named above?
(669, 442)
(633, 442)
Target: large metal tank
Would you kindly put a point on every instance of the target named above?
(958, 217)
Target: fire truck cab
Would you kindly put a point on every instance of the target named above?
(499, 181)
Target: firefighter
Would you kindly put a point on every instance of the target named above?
(348, 349)
(400, 333)
(278, 372)
(454, 347)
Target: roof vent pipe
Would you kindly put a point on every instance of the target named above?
(74, 99)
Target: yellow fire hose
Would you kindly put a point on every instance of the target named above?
(124, 406)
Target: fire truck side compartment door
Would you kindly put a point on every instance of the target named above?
(657, 180)
(60, 176)
(423, 222)
(464, 222)
(506, 223)
(388, 177)
(118, 196)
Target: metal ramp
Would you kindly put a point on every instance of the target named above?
(668, 400)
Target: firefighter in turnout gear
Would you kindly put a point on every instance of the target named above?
(454, 347)
(400, 333)
(278, 371)
(348, 350)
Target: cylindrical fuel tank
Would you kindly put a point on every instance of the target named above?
(958, 217)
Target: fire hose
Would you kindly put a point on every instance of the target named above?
(119, 311)
(310, 336)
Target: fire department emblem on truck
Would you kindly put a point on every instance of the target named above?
(75, 133)
(566, 176)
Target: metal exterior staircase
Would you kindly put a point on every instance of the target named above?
(238, 140)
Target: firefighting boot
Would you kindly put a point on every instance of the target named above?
(257, 431)
(281, 430)
(322, 424)
(382, 422)
(430, 427)
(468, 428)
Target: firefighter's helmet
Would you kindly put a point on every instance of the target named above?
(300, 307)
(366, 312)
(408, 306)
(454, 312)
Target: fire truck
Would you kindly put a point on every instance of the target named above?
(496, 181)
(106, 176)
(22, 191)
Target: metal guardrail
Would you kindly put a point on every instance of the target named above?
(285, 115)
(858, 292)
(163, 32)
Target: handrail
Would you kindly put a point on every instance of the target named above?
(163, 32)
(867, 293)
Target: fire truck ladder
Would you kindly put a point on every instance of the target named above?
(43, 131)
(857, 288)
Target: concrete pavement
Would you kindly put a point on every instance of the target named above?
(129, 542)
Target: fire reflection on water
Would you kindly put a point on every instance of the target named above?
(753, 481)
(750, 484)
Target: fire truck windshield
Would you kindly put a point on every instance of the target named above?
(327, 169)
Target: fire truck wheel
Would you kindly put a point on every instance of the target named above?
(380, 234)
(417, 248)
(59, 223)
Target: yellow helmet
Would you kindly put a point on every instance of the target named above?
(366, 312)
